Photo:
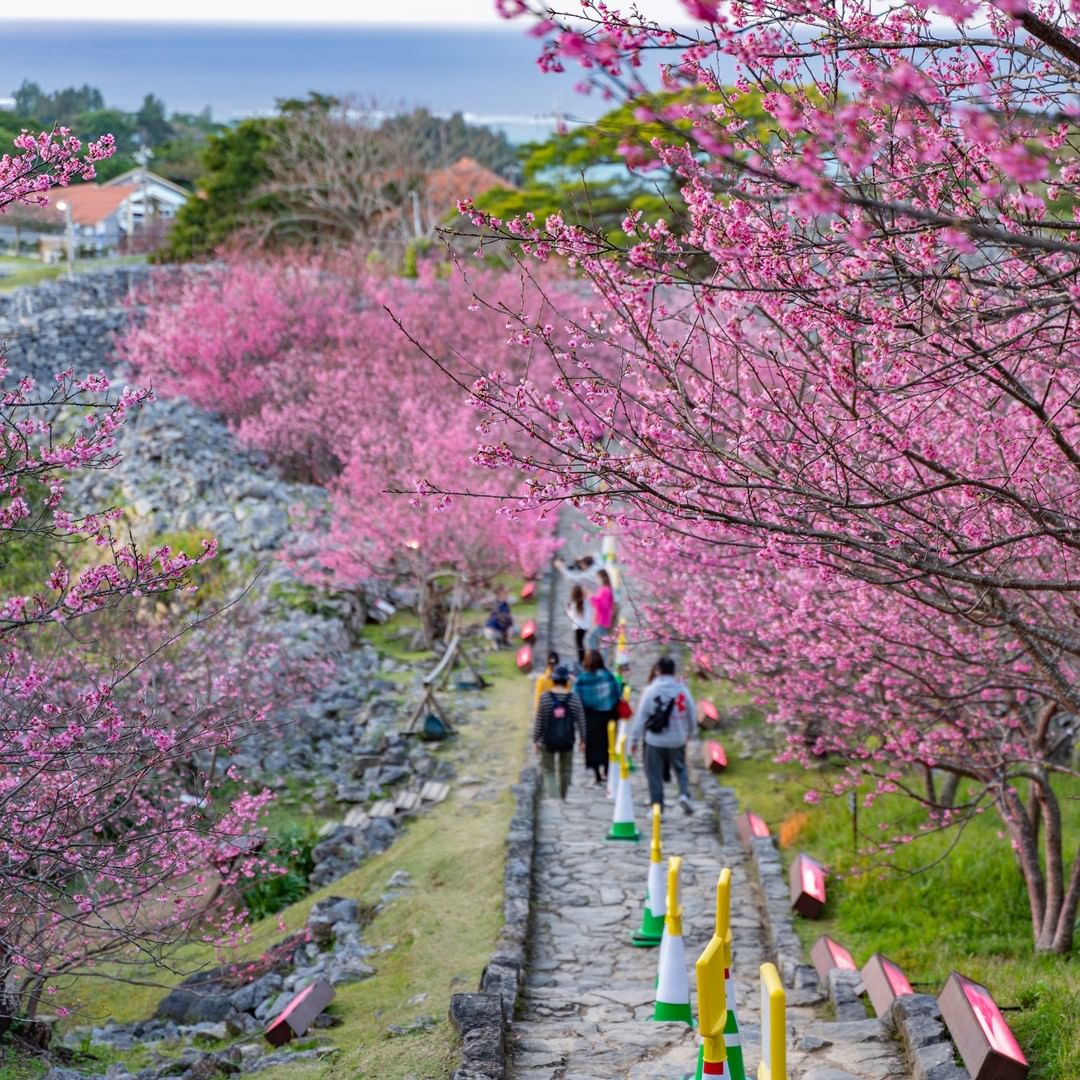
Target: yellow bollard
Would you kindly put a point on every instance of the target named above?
(612, 760)
(773, 1026)
(712, 985)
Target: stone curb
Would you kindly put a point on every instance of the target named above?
(483, 1019)
(915, 1021)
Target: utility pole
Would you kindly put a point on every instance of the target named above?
(70, 232)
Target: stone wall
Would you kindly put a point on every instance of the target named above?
(68, 322)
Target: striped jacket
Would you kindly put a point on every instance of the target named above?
(543, 714)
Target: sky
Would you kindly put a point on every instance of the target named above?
(463, 13)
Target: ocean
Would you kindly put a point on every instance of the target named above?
(491, 75)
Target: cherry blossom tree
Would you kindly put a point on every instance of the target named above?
(319, 364)
(846, 383)
(110, 845)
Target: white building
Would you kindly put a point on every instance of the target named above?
(131, 212)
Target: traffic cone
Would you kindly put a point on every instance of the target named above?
(672, 985)
(732, 1038)
(622, 821)
(612, 760)
(622, 651)
(652, 917)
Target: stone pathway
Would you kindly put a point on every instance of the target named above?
(586, 1010)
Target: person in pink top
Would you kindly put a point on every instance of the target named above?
(603, 605)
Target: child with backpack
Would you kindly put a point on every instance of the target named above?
(559, 724)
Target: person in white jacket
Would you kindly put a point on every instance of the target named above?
(579, 612)
(666, 718)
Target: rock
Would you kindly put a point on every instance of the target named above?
(327, 913)
(809, 1043)
(420, 1024)
(827, 1072)
(208, 1030)
(197, 999)
(936, 1063)
(399, 879)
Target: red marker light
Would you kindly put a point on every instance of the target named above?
(751, 826)
(807, 886)
(300, 1013)
(710, 715)
(884, 983)
(985, 1041)
(528, 590)
(525, 658)
(828, 954)
(715, 757)
(528, 631)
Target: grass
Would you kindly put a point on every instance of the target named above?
(439, 933)
(968, 912)
(27, 271)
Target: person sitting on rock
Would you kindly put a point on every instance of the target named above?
(501, 620)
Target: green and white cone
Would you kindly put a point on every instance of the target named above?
(732, 1039)
(652, 917)
(622, 821)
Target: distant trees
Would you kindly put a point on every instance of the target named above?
(325, 173)
(175, 141)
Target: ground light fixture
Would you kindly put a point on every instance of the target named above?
(300, 1013)
(884, 983)
(528, 590)
(827, 954)
(751, 827)
(525, 658)
(986, 1043)
(715, 756)
(528, 631)
(708, 713)
(807, 886)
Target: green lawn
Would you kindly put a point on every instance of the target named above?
(26, 271)
(969, 912)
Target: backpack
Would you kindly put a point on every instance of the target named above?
(559, 730)
(660, 716)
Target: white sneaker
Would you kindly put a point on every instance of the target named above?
(686, 804)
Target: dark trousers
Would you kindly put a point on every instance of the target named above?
(656, 758)
(579, 641)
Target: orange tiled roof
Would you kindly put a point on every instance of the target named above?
(464, 179)
(90, 203)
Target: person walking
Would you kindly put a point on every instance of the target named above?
(560, 717)
(599, 693)
(579, 612)
(666, 719)
(603, 605)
